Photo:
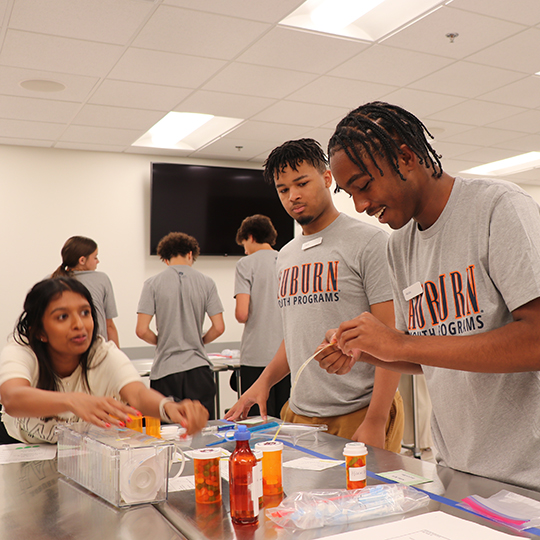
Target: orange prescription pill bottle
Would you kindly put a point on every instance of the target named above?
(136, 423)
(272, 465)
(355, 462)
(207, 475)
(153, 426)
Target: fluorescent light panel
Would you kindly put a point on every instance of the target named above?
(513, 165)
(368, 20)
(186, 131)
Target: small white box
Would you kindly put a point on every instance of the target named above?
(123, 466)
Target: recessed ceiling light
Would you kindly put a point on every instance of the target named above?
(186, 131)
(368, 20)
(523, 162)
(41, 85)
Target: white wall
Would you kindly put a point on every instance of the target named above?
(48, 195)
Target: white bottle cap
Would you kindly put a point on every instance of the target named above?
(269, 446)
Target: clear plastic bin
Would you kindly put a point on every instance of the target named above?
(120, 465)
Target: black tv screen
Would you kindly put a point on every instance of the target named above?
(210, 203)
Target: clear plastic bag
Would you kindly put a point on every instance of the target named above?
(318, 508)
(505, 507)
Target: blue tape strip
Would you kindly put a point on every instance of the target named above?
(432, 496)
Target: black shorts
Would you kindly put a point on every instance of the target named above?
(197, 383)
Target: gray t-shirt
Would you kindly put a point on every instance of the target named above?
(325, 279)
(101, 290)
(179, 297)
(263, 332)
(477, 263)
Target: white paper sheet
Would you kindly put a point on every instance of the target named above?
(15, 453)
(312, 464)
(430, 526)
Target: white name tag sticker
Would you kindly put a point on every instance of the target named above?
(312, 243)
(413, 291)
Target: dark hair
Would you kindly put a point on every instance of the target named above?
(259, 227)
(29, 327)
(74, 248)
(177, 243)
(292, 154)
(376, 130)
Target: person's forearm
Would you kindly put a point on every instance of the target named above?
(384, 390)
(277, 369)
(28, 402)
(211, 334)
(112, 332)
(406, 368)
(149, 336)
(514, 347)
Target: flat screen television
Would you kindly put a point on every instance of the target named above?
(210, 203)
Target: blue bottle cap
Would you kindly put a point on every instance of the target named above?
(242, 433)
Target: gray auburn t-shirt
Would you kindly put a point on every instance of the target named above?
(101, 290)
(263, 331)
(340, 276)
(179, 297)
(478, 262)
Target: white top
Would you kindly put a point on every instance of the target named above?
(110, 370)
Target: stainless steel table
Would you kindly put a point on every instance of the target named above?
(38, 503)
(198, 523)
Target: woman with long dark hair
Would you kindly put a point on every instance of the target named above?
(56, 368)
(80, 260)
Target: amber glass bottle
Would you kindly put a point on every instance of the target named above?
(242, 487)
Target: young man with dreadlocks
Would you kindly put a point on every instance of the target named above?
(465, 267)
(335, 270)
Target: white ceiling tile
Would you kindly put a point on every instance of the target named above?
(487, 155)
(51, 53)
(483, 136)
(23, 129)
(92, 20)
(282, 48)
(3, 6)
(522, 93)
(37, 110)
(260, 81)
(89, 147)
(524, 11)
(523, 144)
(78, 87)
(466, 79)
(321, 135)
(342, 92)
(267, 131)
(514, 53)
(162, 68)
(138, 95)
(388, 65)
(528, 122)
(441, 130)
(196, 33)
(259, 10)
(220, 104)
(451, 150)
(226, 148)
(303, 114)
(526, 177)
(475, 33)
(421, 104)
(476, 112)
(103, 136)
(116, 117)
(25, 142)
